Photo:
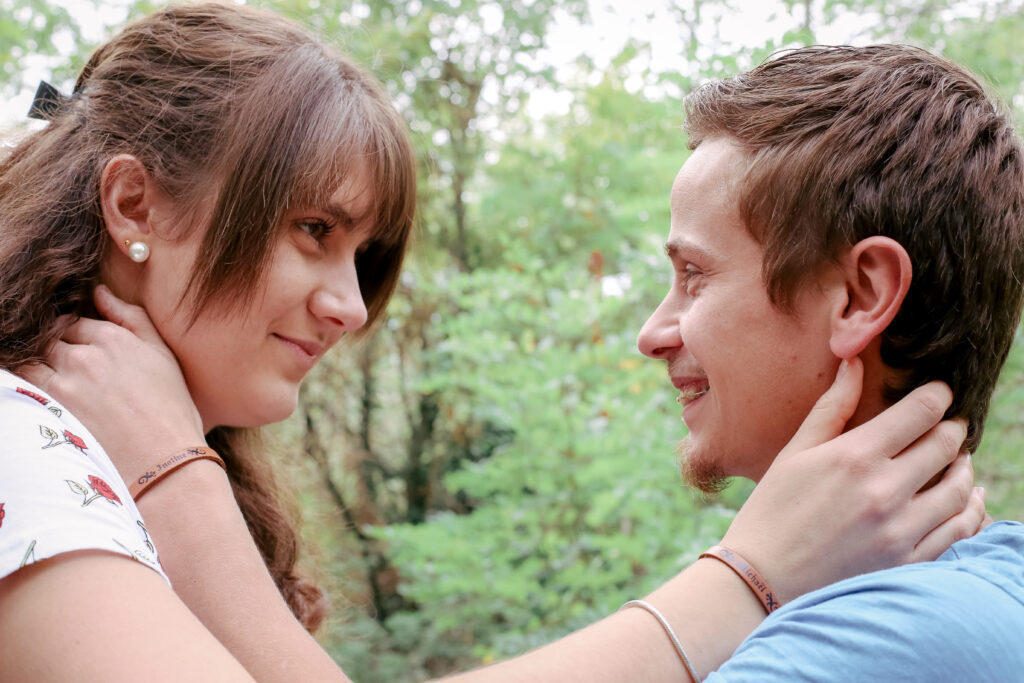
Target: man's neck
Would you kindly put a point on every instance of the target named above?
(872, 397)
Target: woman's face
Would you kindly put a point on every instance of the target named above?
(244, 366)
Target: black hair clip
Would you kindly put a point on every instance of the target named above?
(46, 103)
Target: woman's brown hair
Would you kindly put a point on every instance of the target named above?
(219, 102)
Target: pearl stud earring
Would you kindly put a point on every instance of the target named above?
(138, 251)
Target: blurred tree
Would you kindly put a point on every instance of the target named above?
(493, 467)
(30, 30)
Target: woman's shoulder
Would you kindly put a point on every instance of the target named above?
(59, 492)
(32, 422)
(24, 405)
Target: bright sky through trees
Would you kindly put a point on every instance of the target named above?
(611, 24)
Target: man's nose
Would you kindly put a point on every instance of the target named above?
(659, 337)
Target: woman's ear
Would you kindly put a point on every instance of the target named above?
(877, 274)
(127, 195)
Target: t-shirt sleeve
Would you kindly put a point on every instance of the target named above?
(59, 492)
(929, 625)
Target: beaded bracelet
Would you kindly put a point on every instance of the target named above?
(667, 627)
(745, 571)
(142, 483)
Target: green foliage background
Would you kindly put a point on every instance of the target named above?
(494, 468)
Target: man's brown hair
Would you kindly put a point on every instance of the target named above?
(225, 106)
(845, 143)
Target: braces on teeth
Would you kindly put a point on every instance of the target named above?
(687, 395)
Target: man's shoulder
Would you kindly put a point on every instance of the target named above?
(989, 565)
(1003, 541)
(957, 618)
(993, 556)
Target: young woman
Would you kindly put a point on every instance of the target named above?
(254, 192)
(233, 198)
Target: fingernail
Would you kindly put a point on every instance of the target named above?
(983, 493)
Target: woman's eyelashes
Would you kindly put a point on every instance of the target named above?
(316, 228)
(319, 231)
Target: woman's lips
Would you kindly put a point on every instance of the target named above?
(305, 352)
(309, 348)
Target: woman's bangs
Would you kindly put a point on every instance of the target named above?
(367, 140)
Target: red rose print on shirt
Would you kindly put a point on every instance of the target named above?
(2, 514)
(103, 488)
(32, 394)
(100, 489)
(59, 440)
(75, 441)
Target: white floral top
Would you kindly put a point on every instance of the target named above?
(59, 491)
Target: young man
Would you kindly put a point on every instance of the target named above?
(847, 202)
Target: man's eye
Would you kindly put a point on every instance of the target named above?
(318, 230)
(688, 271)
(688, 275)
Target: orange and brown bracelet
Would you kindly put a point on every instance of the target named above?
(746, 572)
(183, 457)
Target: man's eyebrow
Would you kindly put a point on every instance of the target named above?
(677, 249)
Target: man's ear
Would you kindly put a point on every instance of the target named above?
(127, 195)
(877, 274)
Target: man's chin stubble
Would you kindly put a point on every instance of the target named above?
(700, 470)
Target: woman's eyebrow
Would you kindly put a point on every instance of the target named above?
(339, 213)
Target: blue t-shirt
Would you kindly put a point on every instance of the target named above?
(959, 618)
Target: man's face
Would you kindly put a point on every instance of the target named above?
(747, 372)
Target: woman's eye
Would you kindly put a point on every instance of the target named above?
(318, 230)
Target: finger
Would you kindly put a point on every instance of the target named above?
(960, 526)
(987, 519)
(892, 430)
(949, 497)
(63, 322)
(833, 410)
(91, 331)
(39, 374)
(927, 458)
(84, 331)
(128, 316)
(57, 356)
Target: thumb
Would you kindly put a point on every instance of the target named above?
(833, 410)
(132, 318)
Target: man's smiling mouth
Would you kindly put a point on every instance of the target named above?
(691, 394)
